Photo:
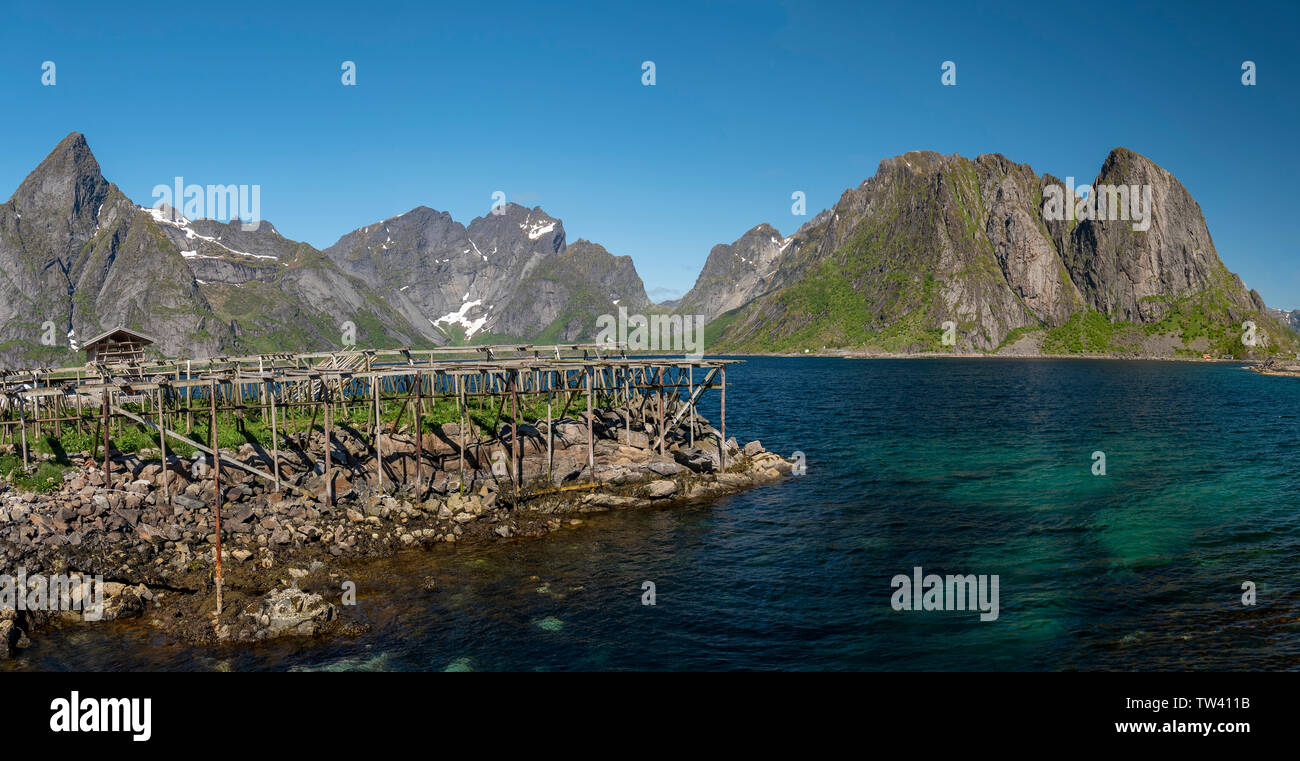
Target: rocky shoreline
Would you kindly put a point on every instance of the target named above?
(1280, 367)
(283, 553)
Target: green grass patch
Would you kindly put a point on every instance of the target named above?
(45, 478)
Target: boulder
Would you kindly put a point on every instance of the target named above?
(289, 612)
(635, 439)
(666, 467)
(659, 489)
(698, 459)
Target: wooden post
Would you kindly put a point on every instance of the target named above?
(275, 436)
(22, 421)
(591, 430)
(690, 399)
(723, 417)
(460, 386)
(216, 489)
(80, 425)
(662, 433)
(550, 430)
(329, 481)
(108, 483)
(419, 434)
(515, 450)
(379, 452)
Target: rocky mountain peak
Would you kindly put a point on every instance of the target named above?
(1146, 244)
(931, 240)
(62, 197)
(513, 220)
(70, 160)
(736, 273)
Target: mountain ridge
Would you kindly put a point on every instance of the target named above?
(932, 241)
(930, 247)
(75, 251)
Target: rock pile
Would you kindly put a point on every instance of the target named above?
(126, 529)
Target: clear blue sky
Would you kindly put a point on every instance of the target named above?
(753, 101)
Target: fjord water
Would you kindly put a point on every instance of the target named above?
(964, 466)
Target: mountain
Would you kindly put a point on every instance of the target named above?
(76, 252)
(929, 247)
(735, 274)
(73, 248)
(933, 239)
(508, 273)
(567, 292)
(275, 294)
(1291, 318)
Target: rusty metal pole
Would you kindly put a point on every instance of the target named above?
(216, 488)
(162, 443)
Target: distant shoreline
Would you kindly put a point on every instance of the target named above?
(964, 355)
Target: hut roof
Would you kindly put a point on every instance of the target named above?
(143, 339)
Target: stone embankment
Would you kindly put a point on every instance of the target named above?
(281, 549)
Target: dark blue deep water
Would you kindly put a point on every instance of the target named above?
(955, 465)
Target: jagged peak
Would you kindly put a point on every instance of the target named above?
(762, 229)
(1126, 160)
(1120, 152)
(917, 161)
(70, 166)
(584, 243)
(420, 211)
(585, 246)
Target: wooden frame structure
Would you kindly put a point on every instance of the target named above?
(166, 396)
(117, 345)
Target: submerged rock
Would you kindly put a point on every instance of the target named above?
(287, 612)
(549, 624)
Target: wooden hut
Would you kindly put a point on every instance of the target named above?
(117, 345)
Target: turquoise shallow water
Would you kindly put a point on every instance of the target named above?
(958, 466)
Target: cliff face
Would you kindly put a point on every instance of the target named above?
(1134, 275)
(735, 274)
(934, 245)
(566, 293)
(509, 274)
(447, 279)
(77, 252)
(1290, 319)
(983, 252)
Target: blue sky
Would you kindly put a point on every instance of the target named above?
(753, 101)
